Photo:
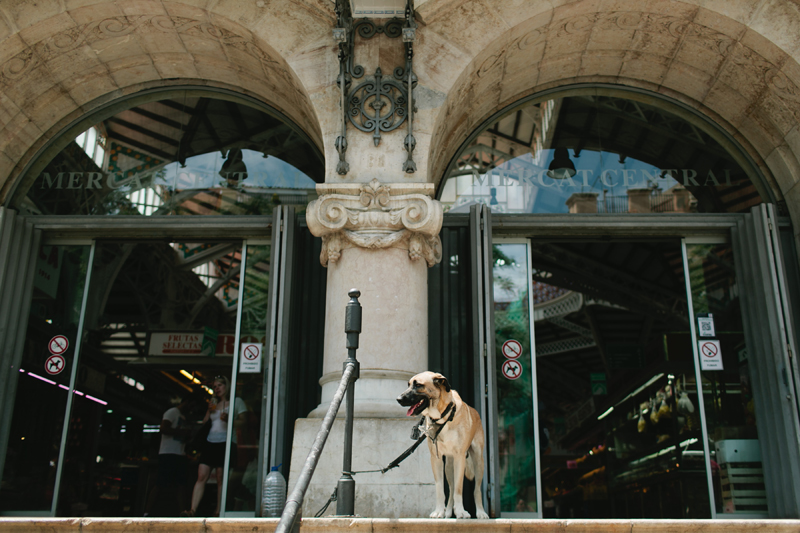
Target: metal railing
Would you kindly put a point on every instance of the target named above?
(613, 204)
(662, 203)
(346, 489)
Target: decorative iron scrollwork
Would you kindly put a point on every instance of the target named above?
(366, 29)
(377, 105)
(380, 104)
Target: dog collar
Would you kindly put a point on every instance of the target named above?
(450, 406)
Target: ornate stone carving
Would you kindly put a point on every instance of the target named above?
(375, 216)
(91, 33)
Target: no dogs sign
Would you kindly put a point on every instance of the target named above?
(512, 369)
(54, 365)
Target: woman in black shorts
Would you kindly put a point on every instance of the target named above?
(212, 454)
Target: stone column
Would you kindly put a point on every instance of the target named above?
(380, 239)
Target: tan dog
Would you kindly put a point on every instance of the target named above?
(457, 435)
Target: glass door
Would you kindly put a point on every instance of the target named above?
(515, 375)
(160, 333)
(619, 426)
(627, 420)
(46, 375)
(136, 341)
(242, 488)
(724, 367)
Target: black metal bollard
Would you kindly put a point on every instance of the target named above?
(346, 489)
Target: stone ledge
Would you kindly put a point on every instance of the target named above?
(390, 525)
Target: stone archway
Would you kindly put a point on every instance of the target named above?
(719, 66)
(62, 67)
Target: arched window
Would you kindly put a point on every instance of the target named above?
(181, 152)
(600, 151)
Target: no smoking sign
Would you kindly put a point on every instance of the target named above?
(250, 360)
(710, 355)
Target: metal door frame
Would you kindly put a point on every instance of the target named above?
(535, 399)
(85, 230)
(276, 350)
(769, 333)
(691, 228)
(480, 224)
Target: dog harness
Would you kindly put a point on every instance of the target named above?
(433, 433)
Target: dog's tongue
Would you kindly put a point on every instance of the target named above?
(411, 409)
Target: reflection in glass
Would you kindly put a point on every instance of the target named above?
(597, 154)
(43, 380)
(615, 382)
(160, 324)
(243, 477)
(184, 155)
(727, 392)
(517, 443)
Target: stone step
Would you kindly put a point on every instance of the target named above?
(389, 525)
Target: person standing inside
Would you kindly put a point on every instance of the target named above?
(212, 454)
(173, 465)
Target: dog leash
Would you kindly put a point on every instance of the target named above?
(422, 434)
(418, 434)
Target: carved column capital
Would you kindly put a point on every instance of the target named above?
(376, 215)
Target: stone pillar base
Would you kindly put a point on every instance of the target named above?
(404, 492)
(376, 394)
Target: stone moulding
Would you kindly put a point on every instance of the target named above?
(376, 216)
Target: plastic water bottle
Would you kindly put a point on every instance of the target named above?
(274, 493)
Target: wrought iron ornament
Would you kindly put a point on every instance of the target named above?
(381, 103)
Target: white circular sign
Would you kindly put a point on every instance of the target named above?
(512, 349)
(512, 369)
(54, 364)
(709, 349)
(251, 351)
(58, 345)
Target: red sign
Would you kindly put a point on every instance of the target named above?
(58, 345)
(512, 369)
(709, 349)
(512, 349)
(54, 365)
(251, 352)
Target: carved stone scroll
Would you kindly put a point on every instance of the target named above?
(376, 216)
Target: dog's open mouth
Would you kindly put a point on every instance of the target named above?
(417, 408)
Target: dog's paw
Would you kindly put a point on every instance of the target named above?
(438, 513)
(482, 514)
(448, 513)
(461, 513)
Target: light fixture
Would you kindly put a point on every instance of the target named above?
(606, 413)
(561, 167)
(233, 169)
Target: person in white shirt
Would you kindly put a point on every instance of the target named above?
(172, 461)
(212, 454)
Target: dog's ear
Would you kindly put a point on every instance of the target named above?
(440, 380)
